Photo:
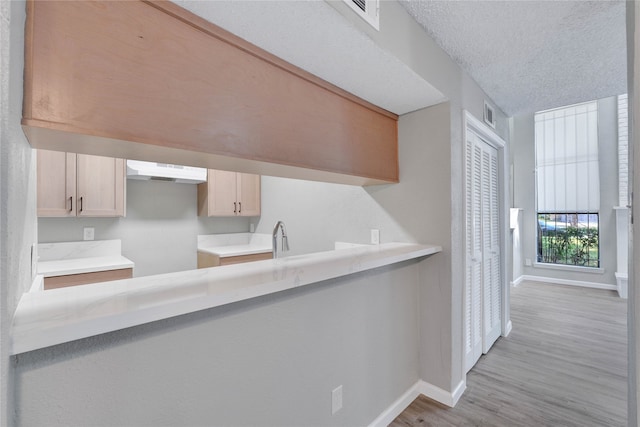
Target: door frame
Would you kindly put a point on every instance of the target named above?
(488, 135)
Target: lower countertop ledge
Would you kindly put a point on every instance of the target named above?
(67, 267)
(56, 316)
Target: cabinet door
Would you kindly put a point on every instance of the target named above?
(56, 183)
(101, 186)
(248, 194)
(221, 197)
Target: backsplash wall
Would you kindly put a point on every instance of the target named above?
(159, 232)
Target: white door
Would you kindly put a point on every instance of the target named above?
(473, 274)
(482, 275)
(491, 303)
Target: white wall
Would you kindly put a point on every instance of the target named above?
(523, 148)
(269, 361)
(415, 210)
(517, 255)
(159, 233)
(5, 307)
(17, 191)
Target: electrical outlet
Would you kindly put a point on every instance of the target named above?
(336, 399)
(375, 236)
(252, 228)
(527, 262)
(89, 233)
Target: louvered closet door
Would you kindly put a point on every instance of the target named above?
(473, 274)
(482, 276)
(490, 247)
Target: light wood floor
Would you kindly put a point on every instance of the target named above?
(564, 364)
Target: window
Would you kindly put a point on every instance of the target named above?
(568, 185)
(623, 150)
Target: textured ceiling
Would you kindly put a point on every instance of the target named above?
(532, 55)
(315, 37)
(526, 55)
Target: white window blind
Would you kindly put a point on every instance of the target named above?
(623, 150)
(567, 159)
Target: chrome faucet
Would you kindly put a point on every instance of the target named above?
(285, 240)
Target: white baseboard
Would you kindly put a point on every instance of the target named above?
(593, 285)
(622, 285)
(458, 391)
(439, 395)
(420, 387)
(517, 281)
(508, 329)
(396, 408)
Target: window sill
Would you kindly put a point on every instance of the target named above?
(572, 268)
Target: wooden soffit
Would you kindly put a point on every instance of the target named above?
(151, 81)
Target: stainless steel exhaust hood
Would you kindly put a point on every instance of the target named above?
(137, 169)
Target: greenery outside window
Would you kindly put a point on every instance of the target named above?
(569, 239)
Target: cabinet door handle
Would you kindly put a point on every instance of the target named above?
(235, 207)
(240, 205)
(80, 204)
(71, 200)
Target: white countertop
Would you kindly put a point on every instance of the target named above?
(234, 244)
(66, 267)
(237, 250)
(65, 258)
(56, 316)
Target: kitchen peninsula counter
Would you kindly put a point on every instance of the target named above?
(56, 316)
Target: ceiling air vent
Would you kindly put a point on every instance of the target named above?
(489, 115)
(361, 4)
(369, 10)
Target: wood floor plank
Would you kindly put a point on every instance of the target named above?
(564, 364)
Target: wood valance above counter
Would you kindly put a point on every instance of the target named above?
(152, 81)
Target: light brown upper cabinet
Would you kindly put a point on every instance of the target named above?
(148, 80)
(72, 184)
(229, 194)
(56, 183)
